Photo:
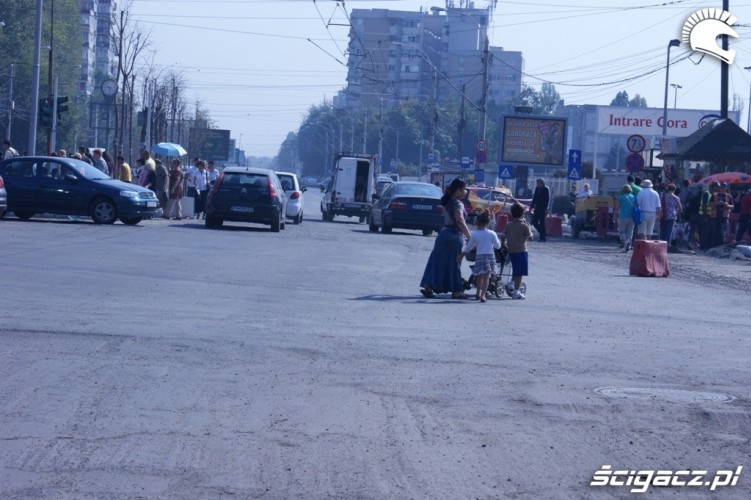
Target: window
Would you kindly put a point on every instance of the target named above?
(20, 168)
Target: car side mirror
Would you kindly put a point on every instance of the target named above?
(304, 189)
(71, 178)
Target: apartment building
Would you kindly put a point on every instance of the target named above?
(98, 59)
(397, 55)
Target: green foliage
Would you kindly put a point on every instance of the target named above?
(622, 99)
(17, 47)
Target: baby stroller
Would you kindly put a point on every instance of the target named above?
(499, 281)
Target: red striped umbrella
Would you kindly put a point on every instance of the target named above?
(728, 178)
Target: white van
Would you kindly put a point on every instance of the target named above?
(351, 190)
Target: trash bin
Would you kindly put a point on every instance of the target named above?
(553, 226)
(500, 222)
(650, 259)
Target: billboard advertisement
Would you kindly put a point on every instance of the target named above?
(618, 120)
(533, 140)
(210, 144)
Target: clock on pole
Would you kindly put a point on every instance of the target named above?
(109, 87)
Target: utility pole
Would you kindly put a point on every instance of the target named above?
(51, 69)
(460, 127)
(10, 102)
(724, 70)
(32, 143)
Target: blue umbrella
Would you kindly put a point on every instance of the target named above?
(169, 149)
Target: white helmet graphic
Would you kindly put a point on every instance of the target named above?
(703, 27)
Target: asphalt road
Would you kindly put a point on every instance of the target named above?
(166, 360)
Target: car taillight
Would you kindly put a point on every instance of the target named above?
(2, 184)
(295, 195)
(216, 184)
(272, 189)
(398, 205)
(439, 209)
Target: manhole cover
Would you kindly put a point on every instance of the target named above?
(666, 394)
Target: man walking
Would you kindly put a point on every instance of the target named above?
(649, 203)
(160, 188)
(540, 203)
(99, 162)
(744, 222)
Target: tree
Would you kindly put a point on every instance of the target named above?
(129, 42)
(621, 99)
(543, 102)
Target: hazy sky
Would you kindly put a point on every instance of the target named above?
(250, 61)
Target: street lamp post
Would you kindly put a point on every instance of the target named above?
(32, 143)
(672, 43)
(675, 95)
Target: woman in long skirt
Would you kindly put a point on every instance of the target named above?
(443, 273)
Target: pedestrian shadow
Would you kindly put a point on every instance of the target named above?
(410, 299)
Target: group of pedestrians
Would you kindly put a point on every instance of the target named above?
(443, 270)
(172, 183)
(699, 213)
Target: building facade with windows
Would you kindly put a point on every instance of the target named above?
(98, 57)
(398, 55)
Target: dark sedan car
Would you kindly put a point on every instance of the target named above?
(57, 185)
(245, 194)
(407, 205)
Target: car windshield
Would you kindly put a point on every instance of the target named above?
(288, 183)
(86, 170)
(246, 180)
(427, 190)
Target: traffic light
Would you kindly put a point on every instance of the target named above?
(45, 113)
(61, 107)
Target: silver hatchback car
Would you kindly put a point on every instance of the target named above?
(294, 192)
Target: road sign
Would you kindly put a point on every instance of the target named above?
(636, 143)
(392, 164)
(574, 164)
(482, 145)
(465, 161)
(634, 162)
(479, 175)
(431, 157)
(505, 171)
(380, 161)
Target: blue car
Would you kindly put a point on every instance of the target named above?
(66, 186)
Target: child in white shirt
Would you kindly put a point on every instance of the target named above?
(484, 240)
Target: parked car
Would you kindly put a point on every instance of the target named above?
(294, 192)
(407, 205)
(494, 199)
(57, 185)
(3, 198)
(245, 194)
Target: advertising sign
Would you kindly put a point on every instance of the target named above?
(618, 120)
(209, 144)
(533, 140)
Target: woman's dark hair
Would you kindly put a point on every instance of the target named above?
(483, 219)
(455, 186)
(517, 211)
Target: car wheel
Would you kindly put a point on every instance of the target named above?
(103, 211)
(131, 221)
(371, 225)
(276, 226)
(283, 225)
(575, 229)
(212, 222)
(361, 220)
(386, 229)
(427, 232)
(23, 215)
(298, 219)
(2, 214)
